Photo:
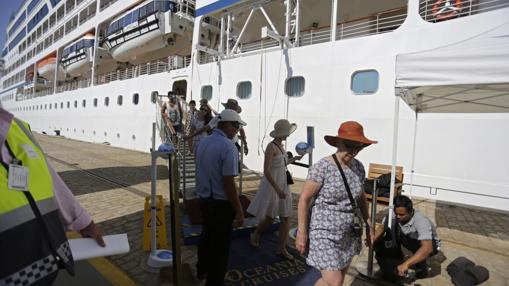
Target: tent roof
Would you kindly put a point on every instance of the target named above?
(469, 76)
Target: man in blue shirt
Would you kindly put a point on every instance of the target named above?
(216, 167)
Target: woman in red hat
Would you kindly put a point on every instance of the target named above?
(332, 232)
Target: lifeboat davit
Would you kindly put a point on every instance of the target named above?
(46, 68)
(77, 57)
(148, 27)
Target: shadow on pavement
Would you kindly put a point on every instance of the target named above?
(126, 176)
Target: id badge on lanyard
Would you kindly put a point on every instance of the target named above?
(18, 177)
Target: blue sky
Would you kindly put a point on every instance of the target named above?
(7, 8)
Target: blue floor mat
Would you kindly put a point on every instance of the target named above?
(260, 266)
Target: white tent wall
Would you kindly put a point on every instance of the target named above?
(471, 76)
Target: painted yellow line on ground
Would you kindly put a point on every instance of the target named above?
(110, 272)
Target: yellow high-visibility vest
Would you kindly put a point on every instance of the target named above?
(32, 237)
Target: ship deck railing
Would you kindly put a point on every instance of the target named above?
(73, 85)
(377, 23)
(152, 67)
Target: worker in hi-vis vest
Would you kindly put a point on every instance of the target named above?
(36, 207)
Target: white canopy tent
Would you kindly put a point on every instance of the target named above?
(471, 76)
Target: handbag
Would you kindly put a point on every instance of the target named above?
(357, 226)
(289, 178)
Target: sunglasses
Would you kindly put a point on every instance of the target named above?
(353, 146)
(235, 124)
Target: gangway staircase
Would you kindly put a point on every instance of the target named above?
(186, 187)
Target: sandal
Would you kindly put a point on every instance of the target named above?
(254, 240)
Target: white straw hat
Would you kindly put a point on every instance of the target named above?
(283, 128)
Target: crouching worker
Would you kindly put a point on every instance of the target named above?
(412, 230)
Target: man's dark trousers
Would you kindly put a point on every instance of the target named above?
(214, 246)
(390, 257)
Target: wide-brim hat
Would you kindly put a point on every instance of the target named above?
(351, 131)
(282, 128)
(232, 104)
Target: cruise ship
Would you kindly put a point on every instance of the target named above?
(428, 79)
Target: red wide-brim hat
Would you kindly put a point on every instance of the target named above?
(351, 131)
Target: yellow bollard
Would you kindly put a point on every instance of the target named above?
(160, 224)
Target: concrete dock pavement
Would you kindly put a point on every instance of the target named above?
(111, 183)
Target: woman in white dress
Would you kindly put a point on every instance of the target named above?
(273, 197)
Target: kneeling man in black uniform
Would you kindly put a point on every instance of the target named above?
(412, 230)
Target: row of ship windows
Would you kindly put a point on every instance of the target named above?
(120, 101)
(362, 82)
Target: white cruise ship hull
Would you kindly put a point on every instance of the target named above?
(460, 158)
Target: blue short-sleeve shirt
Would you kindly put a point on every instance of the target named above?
(216, 157)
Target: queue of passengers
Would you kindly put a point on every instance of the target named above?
(332, 209)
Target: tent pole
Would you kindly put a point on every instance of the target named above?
(394, 157)
(413, 155)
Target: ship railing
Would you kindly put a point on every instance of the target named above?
(73, 85)
(41, 93)
(152, 67)
(467, 8)
(315, 37)
(370, 26)
(382, 22)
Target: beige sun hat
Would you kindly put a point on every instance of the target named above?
(282, 128)
(232, 104)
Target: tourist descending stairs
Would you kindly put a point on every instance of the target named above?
(188, 200)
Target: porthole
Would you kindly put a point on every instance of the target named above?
(119, 100)
(106, 101)
(136, 98)
(295, 86)
(244, 89)
(206, 92)
(365, 82)
(84, 103)
(153, 96)
(95, 102)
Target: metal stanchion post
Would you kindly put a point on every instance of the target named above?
(241, 164)
(373, 222)
(184, 163)
(158, 258)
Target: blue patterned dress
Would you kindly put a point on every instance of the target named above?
(332, 244)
